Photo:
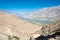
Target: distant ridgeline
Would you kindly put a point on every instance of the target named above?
(39, 22)
(44, 15)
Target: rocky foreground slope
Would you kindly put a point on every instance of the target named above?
(16, 27)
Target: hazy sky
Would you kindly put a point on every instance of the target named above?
(25, 6)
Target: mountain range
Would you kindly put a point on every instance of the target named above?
(44, 15)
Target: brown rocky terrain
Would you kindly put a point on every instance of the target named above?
(14, 26)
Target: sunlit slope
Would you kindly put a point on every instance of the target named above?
(12, 25)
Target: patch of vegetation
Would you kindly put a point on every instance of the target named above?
(13, 37)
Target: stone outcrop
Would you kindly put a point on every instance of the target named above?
(52, 28)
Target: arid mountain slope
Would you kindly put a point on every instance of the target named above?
(12, 25)
(45, 13)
